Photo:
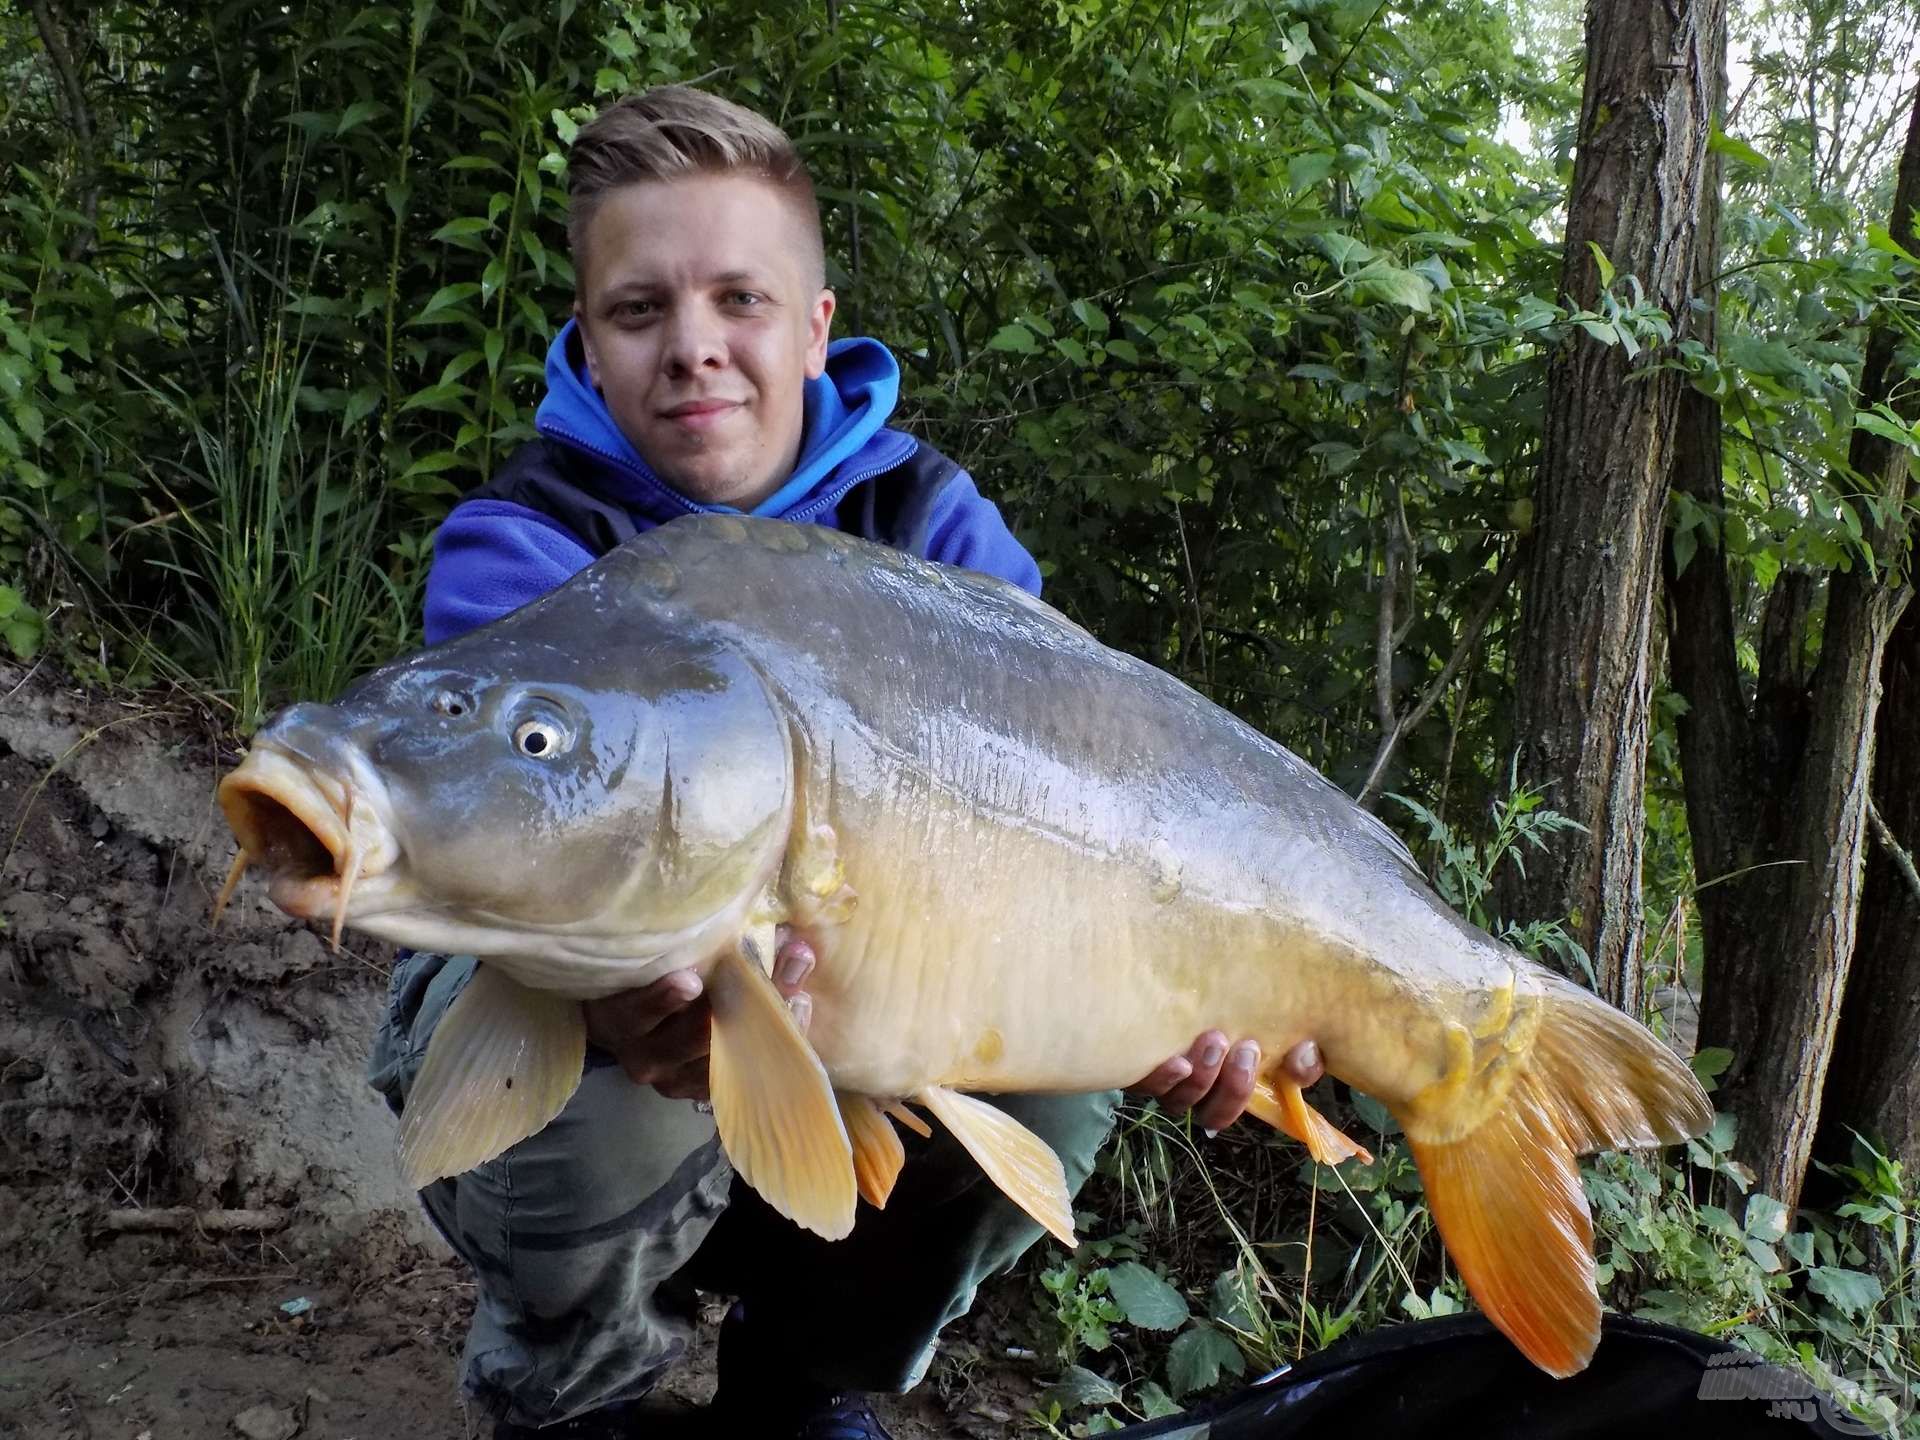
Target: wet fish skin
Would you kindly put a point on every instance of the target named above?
(1029, 863)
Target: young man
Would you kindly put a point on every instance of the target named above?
(696, 374)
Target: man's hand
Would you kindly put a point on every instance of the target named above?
(1216, 1083)
(658, 1033)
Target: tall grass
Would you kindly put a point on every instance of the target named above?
(275, 537)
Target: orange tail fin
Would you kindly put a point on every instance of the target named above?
(1507, 1194)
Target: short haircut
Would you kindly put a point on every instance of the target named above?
(674, 131)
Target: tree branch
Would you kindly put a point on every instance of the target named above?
(1393, 729)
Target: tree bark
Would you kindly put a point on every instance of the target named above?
(1873, 1086)
(1642, 175)
(1781, 878)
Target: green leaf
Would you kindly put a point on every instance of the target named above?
(1401, 287)
(1150, 1302)
(566, 125)
(1685, 542)
(1155, 1403)
(357, 113)
(1601, 331)
(1877, 424)
(1091, 317)
(1199, 1357)
(1852, 1291)
(1766, 1218)
(1606, 265)
(436, 397)
(1344, 250)
(1711, 1063)
(1881, 239)
(1079, 1387)
(23, 635)
(465, 228)
(446, 297)
(1015, 337)
(1306, 171)
(1740, 150)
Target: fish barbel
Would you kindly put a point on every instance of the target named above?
(1027, 862)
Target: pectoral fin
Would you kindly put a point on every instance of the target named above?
(773, 1103)
(1017, 1160)
(1282, 1105)
(503, 1061)
(877, 1151)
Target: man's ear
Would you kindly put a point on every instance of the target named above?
(819, 322)
(586, 345)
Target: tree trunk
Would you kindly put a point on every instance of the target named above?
(1781, 878)
(1873, 1086)
(1641, 177)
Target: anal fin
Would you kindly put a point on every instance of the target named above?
(878, 1154)
(773, 1103)
(1017, 1160)
(503, 1061)
(1282, 1105)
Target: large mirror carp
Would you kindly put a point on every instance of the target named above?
(1027, 862)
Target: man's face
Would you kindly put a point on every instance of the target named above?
(702, 317)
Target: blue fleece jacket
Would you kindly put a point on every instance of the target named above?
(492, 556)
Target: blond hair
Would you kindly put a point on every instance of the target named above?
(672, 132)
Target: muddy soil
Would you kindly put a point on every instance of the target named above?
(149, 1063)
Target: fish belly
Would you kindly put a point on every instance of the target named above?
(1035, 971)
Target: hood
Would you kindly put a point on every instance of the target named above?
(846, 414)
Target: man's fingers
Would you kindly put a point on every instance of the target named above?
(1227, 1100)
(688, 1082)
(616, 1022)
(1302, 1064)
(1209, 1052)
(1170, 1074)
(792, 963)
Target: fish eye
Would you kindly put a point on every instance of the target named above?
(453, 702)
(540, 739)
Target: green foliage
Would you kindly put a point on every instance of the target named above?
(1463, 871)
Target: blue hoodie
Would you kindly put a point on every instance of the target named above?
(492, 556)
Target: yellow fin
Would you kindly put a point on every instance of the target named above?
(773, 1103)
(877, 1151)
(503, 1061)
(1509, 1204)
(1282, 1105)
(1506, 1194)
(906, 1117)
(1017, 1160)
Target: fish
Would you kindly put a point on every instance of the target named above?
(1028, 862)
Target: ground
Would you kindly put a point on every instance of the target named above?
(155, 1070)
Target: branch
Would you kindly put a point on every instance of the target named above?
(73, 110)
(1902, 857)
(1391, 729)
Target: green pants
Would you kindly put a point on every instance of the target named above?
(588, 1239)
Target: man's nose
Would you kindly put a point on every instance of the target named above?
(695, 339)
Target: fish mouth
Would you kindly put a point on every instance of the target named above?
(321, 836)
